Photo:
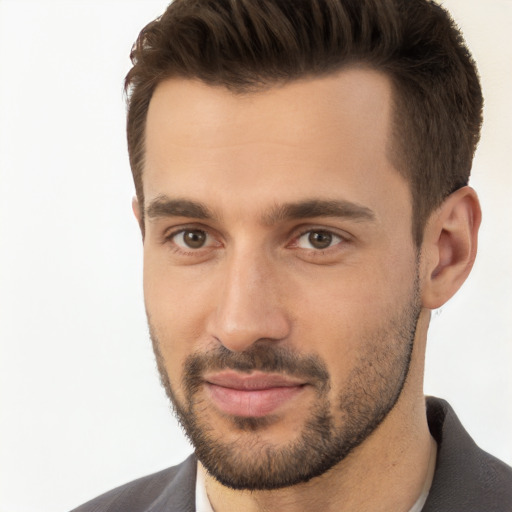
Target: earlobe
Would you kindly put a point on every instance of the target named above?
(449, 247)
(138, 214)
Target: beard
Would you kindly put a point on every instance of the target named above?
(330, 431)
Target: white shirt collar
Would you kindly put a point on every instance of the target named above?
(202, 501)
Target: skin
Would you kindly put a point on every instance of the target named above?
(244, 156)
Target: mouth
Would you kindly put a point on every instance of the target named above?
(253, 395)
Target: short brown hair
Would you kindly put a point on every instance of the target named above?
(246, 45)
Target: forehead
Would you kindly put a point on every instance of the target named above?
(196, 114)
(324, 136)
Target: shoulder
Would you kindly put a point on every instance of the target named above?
(172, 489)
(466, 477)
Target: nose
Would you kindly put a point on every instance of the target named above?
(250, 303)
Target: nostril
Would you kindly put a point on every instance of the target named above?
(239, 332)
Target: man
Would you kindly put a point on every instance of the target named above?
(301, 173)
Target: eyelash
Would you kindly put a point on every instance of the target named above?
(341, 239)
(170, 238)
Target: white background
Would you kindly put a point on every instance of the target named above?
(81, 406)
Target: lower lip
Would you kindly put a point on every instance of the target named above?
(251, 403)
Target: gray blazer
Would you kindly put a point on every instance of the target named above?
(466, 479)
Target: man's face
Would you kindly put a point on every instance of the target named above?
(280, 275)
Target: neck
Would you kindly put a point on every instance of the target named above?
(386, 472)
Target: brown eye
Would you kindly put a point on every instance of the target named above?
(191, 239)
(318, 239)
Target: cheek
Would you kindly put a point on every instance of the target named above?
(349, 298)
(174, 296)
(339, 315)
(176, 313)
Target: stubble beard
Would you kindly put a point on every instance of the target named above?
(374, 386)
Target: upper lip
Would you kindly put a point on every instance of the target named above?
(252, 381)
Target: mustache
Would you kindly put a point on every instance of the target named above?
(264, 357)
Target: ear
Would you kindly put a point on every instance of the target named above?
(138, 214)
(449, 247)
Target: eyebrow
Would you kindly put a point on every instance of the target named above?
(163, 206)
(338, 208)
